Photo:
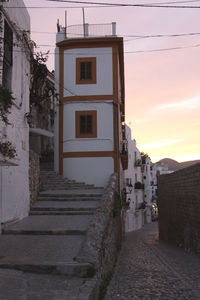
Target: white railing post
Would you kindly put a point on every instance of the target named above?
(86, 31)
(114, 28)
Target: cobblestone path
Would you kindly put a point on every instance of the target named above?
(151, 270)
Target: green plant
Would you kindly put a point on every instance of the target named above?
(6, 102)
(42, 88)
(7, 149)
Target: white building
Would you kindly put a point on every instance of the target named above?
(138, 189)
(148, 183)
(159, 168)
(14, 75)
(89, 76)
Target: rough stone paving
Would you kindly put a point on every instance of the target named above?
(151, 270)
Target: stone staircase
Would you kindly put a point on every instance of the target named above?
(53, 181)
(50, 238)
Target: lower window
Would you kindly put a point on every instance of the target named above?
(86, 124)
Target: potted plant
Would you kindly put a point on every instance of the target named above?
(7, 153)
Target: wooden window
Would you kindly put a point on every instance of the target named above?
(86, 124)
(86, 70)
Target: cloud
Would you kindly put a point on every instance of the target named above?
(191, 103)
(160, 144)
(140, 121)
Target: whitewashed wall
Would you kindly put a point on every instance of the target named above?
(134, 218)
(104, 140)
(56, 117)
(91, 170)
(94, 170)
(104, 75)
(15, 180)
(148, 188)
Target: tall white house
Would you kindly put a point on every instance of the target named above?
(15, 77)
(138, 187)
(89, 124)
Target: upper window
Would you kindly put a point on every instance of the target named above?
(86, 124)
(86, 70)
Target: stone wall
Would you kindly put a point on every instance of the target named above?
(179, 208)
(34, 176)
(103, 239)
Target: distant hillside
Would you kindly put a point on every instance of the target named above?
(174, 165)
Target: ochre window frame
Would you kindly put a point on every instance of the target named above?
(78, 68)
(93, 113)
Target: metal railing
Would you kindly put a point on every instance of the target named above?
(91, 30)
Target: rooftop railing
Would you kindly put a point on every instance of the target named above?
(91, 30)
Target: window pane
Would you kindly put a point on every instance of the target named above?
(82, 124)
(86, 70)
(85, 124)
(89, 123)
(82, 70)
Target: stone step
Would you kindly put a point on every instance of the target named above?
(62, 209)
(65, 187)
(57, 181)
(66, 198)
(44, 232)
(65, 206)
(80, 270)
(60, 179)
(68, 185)
(72, 194)
(58, 213)
(44, 254)
(50, 225)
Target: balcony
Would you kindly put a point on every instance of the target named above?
(90, 30)
(139, 186)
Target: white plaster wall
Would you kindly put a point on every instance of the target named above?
(134, 218)
(92, 170)
(19, 16)
(129, 173)
(148, 189)
(15, 180)
(56, 117)
(119, 81)
(104, 140)
(104, 72)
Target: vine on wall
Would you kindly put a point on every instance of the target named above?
(41, 88)
(6, 102)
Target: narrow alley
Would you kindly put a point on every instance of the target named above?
(151, 270)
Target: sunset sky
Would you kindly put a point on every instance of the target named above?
(162, 87)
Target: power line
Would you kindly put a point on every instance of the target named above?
(106, 4)
(163, 49)
(159, 5)
(138, 36)
(128, 52)
(100, 3)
